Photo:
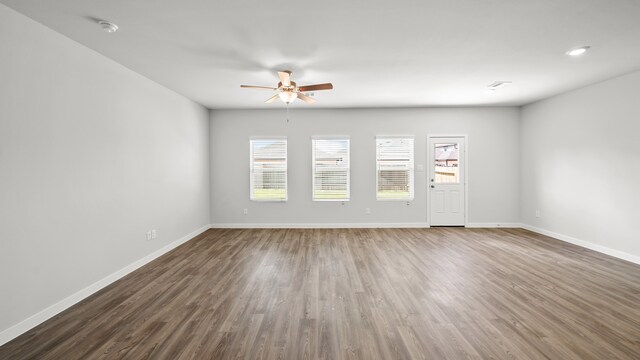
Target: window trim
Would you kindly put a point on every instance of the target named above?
(412, 170)
(286, 177)
(313, 166)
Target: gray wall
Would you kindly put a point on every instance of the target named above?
(92, 155)
(581, 164)
(492, 169)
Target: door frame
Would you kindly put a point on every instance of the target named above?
(465, 177)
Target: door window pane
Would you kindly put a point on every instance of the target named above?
(446, 164)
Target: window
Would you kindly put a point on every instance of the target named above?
(330, 169)
(268, 158)
(394, 167)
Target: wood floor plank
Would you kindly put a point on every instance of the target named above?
(440, 293)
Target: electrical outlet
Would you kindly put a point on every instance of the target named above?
(153, 234)
(245, 211)
(537, 213)
(148, 235)
(367, 210)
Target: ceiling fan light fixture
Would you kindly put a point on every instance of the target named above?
(288, 96)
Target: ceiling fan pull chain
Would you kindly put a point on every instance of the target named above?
(287, 113)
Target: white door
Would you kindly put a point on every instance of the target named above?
(446, 181)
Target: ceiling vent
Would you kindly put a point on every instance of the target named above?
(497, 85)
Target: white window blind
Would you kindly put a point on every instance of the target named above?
(394, 167)
(331, 174)
(268, 162)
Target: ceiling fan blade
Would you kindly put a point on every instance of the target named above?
(285, 77)
(306, 99)
(272, 99)
(316, 87)
(258, 87)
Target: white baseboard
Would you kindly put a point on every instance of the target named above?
(317, 225)
(348, 225)
(585, 244)
(35, 320)
(493, 225)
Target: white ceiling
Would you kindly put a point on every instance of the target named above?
(376, 53)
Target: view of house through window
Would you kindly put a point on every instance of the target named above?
(394, 167)
(331, 169)
(446, 164)
(268, 169)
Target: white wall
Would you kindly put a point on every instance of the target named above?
(581, 165)
(493, 163)
(92, 155)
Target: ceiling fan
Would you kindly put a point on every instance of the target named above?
(288, 90)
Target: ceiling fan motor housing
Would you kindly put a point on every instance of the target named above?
(291, 87)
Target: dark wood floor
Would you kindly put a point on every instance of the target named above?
(356, 293)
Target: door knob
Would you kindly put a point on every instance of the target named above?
(433, 186)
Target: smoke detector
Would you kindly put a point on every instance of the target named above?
(108, 26)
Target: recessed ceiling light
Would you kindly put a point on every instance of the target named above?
(108, 26)
(578, 51)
